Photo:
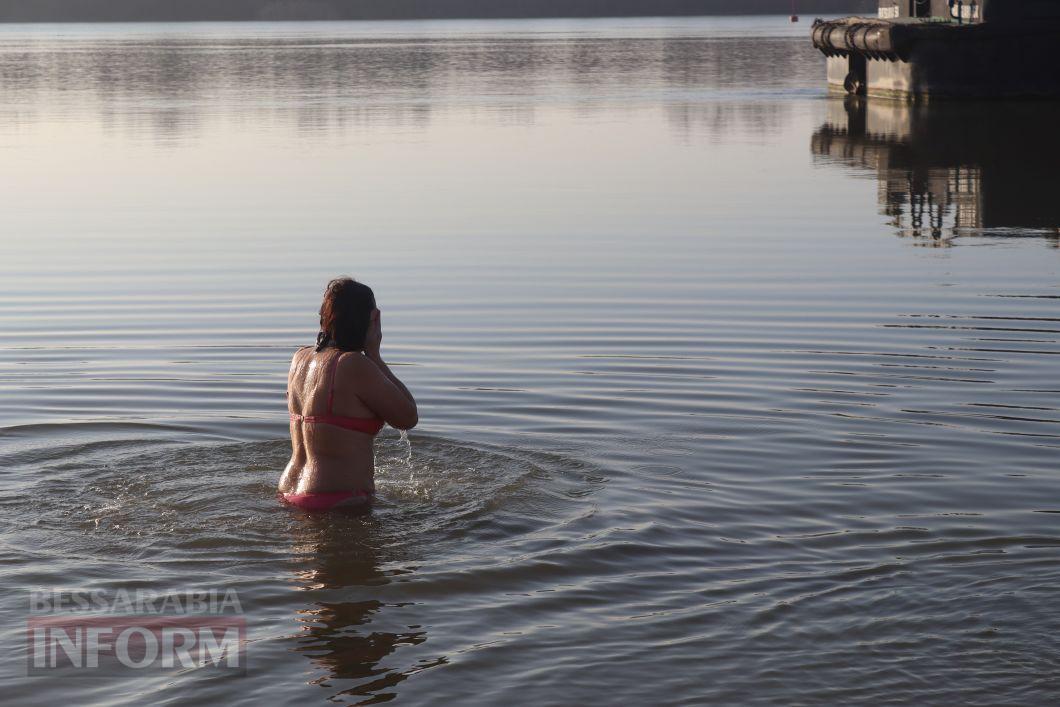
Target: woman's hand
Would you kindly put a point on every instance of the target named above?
(374, 338)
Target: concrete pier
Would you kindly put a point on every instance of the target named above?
(982, 54)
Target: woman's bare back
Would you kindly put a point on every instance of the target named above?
(326, 458)
(337, 402)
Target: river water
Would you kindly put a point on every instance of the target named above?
(730, 392)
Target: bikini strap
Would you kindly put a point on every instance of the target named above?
(334, 370)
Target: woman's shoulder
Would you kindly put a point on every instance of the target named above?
(301, 354)
(355, 365)
(352, 361)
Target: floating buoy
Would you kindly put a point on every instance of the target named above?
(794, 18)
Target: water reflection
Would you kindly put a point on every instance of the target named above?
(173, 84)
(345, 633)
(952, 169)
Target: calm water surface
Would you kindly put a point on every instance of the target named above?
(730, 392)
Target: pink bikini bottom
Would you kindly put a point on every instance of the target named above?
(327, 501)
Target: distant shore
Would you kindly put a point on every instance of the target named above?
(12, 11)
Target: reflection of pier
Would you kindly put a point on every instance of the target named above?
(952, 169)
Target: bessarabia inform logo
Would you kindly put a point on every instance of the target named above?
(95, 632)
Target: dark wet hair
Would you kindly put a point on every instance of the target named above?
(345, 314)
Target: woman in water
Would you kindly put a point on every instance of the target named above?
(339, 395)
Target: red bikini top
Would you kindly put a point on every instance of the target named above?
(367, 425)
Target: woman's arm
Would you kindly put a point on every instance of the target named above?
(378, 360)
(384, 392)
